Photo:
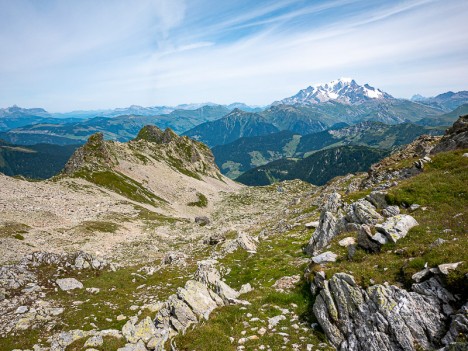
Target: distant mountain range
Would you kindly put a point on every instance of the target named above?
(315, 109)
(446, 102)
(317, 168)
(120, 128)
(343, 90)
(246, 153)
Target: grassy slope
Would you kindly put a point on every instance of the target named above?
(442, 190)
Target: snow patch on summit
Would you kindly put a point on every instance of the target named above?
(343, 90)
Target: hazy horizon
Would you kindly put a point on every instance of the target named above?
(66, 56)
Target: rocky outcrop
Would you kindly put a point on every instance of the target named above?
(95, 153)
(189, 305)
(362, 212)
(386, 317)
(331, 223)
(456, 137)
(181, 152)
(384, 174)
(396, 227)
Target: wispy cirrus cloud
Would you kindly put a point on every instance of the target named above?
(68, 55)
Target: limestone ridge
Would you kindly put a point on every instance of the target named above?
(181, 151)
(95, 153)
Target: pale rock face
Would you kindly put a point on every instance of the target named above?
(325, 257)
(395, 228)
(197, 296)
(246, 242)
(363, 212)
(139, 346)
(391, 211)
(66, 284)
(382, 317)
(144, 330)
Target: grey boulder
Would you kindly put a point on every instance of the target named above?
(66, 284)
(396, 227)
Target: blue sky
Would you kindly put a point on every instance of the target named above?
(67, 55)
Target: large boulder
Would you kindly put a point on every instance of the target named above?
(145, 330)
(395, 228)
(381, 317)
(197, 296)
(363, 212)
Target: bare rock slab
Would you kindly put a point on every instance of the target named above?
(396, 227)
(66, 284)
(325, 257)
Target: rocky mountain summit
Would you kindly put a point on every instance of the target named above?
(343, 90)
(367, 261)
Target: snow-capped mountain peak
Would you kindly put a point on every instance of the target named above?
(344, 90)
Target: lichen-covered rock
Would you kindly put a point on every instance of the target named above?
(381, 317)
(330, 225)
(198, 298)
(396, 227)
(145, 330)
(391, 211)
(139, 346)
(363, 212)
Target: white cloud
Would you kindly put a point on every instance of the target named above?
(157, 52)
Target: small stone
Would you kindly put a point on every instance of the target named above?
(445, 268)
(242, 341)
(69, 284)
(21, 310)
(245, 289)
(121, 317)
(93, 290)
(414, 207)
(272, 322)
(325, 257)
(347, 241)
(437, 242)
(262, 331)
